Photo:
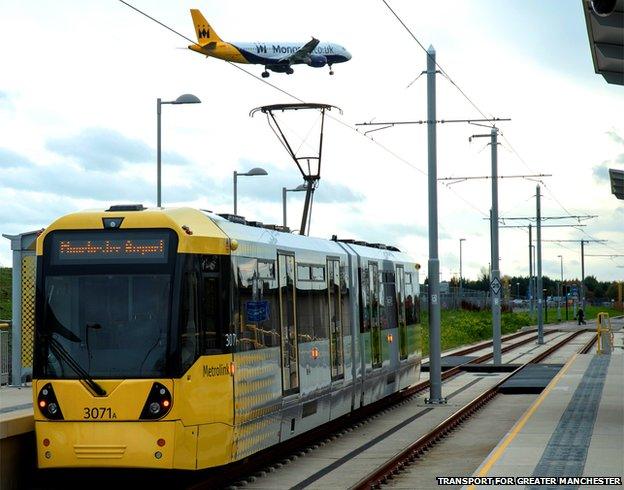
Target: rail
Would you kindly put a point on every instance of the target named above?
(394, 465)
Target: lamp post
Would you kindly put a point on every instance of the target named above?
(461, 291)
(299, 188)
(252, 173)
(183, 99)
(533, 282)
(559, 289)
(518, 289)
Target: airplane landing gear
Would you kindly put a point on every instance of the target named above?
(331, 71)
(265, 74)
(290, 71)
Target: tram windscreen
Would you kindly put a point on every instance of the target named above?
(111, 325)
(106, 301)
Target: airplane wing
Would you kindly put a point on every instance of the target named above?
(302, 53)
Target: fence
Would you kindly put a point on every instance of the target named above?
(452, 299)
(5, 352)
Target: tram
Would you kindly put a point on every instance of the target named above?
(183, 339)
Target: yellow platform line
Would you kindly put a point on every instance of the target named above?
(498, 452)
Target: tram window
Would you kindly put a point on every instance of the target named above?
(412, 301)
(210, 316)
(373, 280)
(390, 306)
(312, 323)
(344, 300)
(266, 269)
(365, 307)
(336, 339)
(303, 272)
(189, 326)
(256, 313)
(210, 263)
(318, 273)
(383, 306)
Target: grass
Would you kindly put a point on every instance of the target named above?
(459, 327)
(5, 293)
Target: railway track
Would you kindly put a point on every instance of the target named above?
(387, 471)
(248, 471)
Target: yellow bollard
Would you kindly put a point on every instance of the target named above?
(604, 332)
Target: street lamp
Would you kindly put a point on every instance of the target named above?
(252, 173)
(299, 188)
(460, 271)
(559, 290)
(518, 289)
(183, 99)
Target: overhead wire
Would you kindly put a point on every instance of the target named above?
(551, 192)
(442, 70)
(514, 151)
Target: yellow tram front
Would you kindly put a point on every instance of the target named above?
(132, 363)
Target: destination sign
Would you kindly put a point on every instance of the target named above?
(82, 248)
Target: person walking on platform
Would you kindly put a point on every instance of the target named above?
(580, 315)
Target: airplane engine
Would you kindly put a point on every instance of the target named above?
(603, 8)
(316, 61)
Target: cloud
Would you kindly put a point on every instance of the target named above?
(616, 137)
(106, 149)
(601, 171)
(10, 159)
(269, 188)
(387, 233)
(76, 182)
(612, 221)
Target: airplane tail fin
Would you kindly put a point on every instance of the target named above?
(205, 33)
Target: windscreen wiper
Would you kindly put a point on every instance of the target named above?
(62, 353)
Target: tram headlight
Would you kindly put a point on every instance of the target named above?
(48, 404)
(158, 403)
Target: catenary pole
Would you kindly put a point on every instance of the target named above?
(495, 284)
(530, 270)
(435, 373)
(583, 275)
(539, 292)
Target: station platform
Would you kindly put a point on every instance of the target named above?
(17, 441)
(574, 428)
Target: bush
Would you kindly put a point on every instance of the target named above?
(5, 293)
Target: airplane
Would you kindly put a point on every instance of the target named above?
(277, 57)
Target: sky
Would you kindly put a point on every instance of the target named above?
(78, 121)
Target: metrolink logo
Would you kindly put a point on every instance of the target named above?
(202, 32)
(220, 370)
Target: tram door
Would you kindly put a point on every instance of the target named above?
(335, 315)
(400, 292)
(373, 277)
(288, 324)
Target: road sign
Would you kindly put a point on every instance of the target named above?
(495, 285)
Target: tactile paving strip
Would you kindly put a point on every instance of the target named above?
(567, 448)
